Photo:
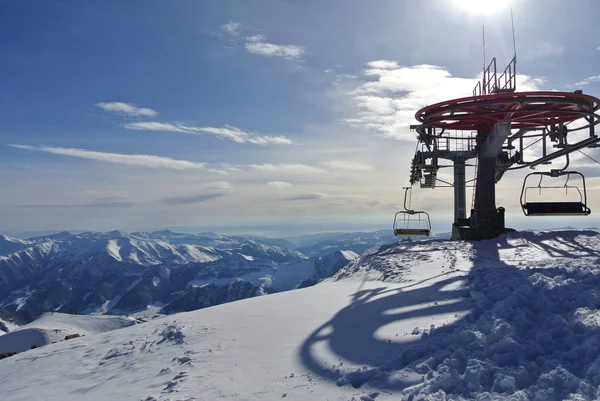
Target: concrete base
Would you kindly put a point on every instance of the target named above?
(466, 233)
(478, 227)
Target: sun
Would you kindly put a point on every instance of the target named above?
(483, 6)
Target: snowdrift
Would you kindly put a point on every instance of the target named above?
(512, 318)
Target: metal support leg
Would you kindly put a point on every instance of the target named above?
(460, 198)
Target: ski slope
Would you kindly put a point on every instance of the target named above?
(512, 318)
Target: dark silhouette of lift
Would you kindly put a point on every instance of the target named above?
(409, 222)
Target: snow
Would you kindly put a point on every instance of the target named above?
(118, 245)
(113, 249)
(349, 255)
(7, 327)
(54, 327)
(282, 277)
(512, 318)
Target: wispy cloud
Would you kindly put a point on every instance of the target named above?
(103, 193)
(127, 109)
(118, 158)
(387, 102)
(109, 201)
(305, 197)
(225, 132)
(347, 165)
(257, 44)
(287, 168)
(224, 185)
(280, 184)
(231, 28)
(191, 199)
(588, 80)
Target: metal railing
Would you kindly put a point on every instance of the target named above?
(492, 83)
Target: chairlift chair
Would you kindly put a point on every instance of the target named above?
(554, 208)
(405, 226)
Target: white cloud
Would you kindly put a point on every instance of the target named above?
(347, 165)
(257, 45)
(226, 132)
(256, 38)
(118, 158)
(287, 168)
(383, 64)
(387, 103)
(127, 108)
(588, 80)
(232, 28)
(280, 184)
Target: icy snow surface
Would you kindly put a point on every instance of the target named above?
(511, 318)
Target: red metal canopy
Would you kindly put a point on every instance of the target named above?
(523, 109)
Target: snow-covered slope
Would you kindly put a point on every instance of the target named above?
(54, 327)
(8, 321)
(6, 326)
(512, 318)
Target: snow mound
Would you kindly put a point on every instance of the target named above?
(54, 327)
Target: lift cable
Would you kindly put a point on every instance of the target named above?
(589, 157)
(531, 144)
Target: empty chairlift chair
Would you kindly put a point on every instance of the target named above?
(574, 207)
(410, 222)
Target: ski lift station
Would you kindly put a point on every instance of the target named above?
(495, 131)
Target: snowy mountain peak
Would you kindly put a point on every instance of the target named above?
(115, 272)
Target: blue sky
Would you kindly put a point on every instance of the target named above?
(272, 117)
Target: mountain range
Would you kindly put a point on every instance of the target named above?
(161, 271)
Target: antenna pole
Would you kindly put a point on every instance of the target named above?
(512, 20)
(483, 37)
(484, 60)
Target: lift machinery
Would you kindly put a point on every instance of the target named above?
(496, 130)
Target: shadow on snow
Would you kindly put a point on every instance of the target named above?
(533, 331)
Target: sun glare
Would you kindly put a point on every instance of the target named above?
(483, 6)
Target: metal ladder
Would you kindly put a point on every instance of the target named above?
(474, 184)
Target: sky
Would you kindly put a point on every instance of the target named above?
(261, 117)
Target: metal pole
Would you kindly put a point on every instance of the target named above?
(460, 196)
(512, 21)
